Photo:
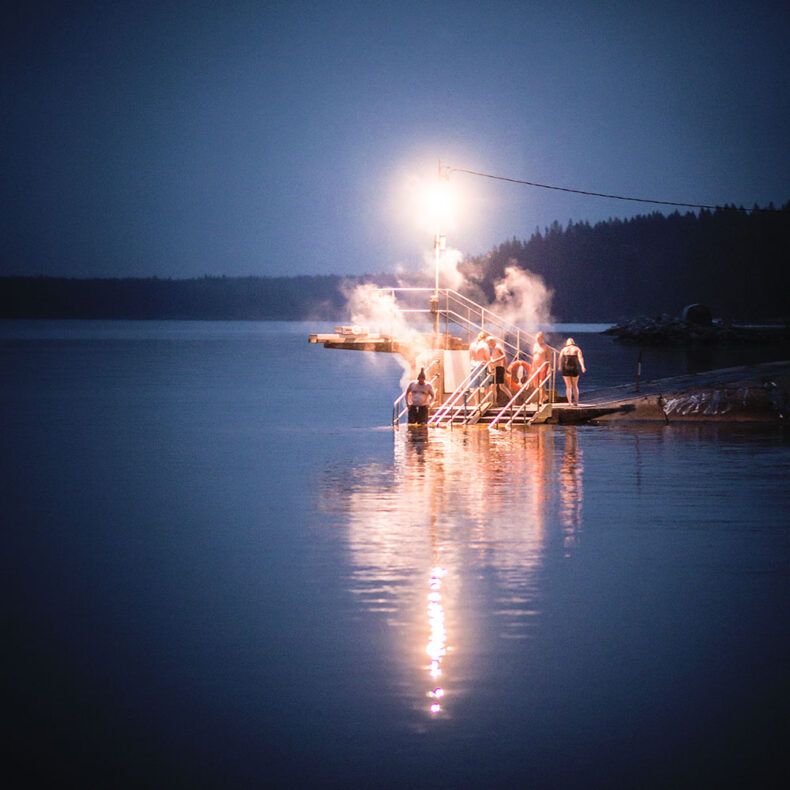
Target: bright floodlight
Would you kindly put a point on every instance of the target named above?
(429, 205)
(439, 204)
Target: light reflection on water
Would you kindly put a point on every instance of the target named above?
(213, 581)
(456, 508)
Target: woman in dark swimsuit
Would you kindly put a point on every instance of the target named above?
(570, 363)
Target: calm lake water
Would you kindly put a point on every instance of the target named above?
(223, 568)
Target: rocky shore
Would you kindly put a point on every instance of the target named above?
(749, 393)
(667, 330)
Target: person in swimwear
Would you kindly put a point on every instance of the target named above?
(496, 367)
(570, 364)
(541, 355)
(478, 352)
(419, 396)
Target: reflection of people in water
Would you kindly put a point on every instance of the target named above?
(570, 363)
(419, 396)
(418, 440)
(571, 489)
(454, 500)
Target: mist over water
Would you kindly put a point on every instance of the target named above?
(223, 567)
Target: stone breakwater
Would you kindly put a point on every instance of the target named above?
(667, 330)
(750, 402)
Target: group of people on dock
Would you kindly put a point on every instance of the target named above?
(487, 356)
(490, 351)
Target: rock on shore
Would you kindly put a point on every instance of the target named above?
(756, 393)
(667, 330)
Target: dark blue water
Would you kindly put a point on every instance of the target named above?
(222, 567)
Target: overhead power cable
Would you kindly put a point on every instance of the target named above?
(604, 195)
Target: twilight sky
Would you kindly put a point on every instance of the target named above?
(181, 138)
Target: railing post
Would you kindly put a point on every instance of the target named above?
(553, 375)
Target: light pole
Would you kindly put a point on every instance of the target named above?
(439, 243)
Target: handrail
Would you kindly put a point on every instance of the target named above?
(464, 312)
(446, 408)
(396, 413)
(546, 379)
(453, 399)
(484, 398)
(477, 412)
(464, 301)
(459, 310)
(524, 405)
(462, 321)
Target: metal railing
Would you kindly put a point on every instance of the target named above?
(459, 310)
(448, 308)
(458, 402)
(484, 402)
(542, 378)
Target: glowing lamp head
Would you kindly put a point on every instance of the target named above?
(439, 204)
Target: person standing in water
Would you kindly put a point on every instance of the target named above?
(419, 396)
(541, 356)
(570, 364)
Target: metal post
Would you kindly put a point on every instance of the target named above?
(638, 370)
(435, 302)
(436, 254)
(437, 239)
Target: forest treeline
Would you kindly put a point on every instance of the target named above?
(734, 261)
(320, 297)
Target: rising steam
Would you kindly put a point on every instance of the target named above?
(522, 298)
(378, 312)
(449, 276)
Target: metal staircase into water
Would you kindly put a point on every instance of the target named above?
(449, 322)
(473, 400)
(468, 403)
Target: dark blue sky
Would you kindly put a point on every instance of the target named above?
(273, 138)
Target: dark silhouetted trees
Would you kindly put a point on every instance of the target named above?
(732, 260)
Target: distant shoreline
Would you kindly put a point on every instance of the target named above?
(730, 259)
(307, 298)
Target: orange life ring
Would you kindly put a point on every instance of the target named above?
(513, 381)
